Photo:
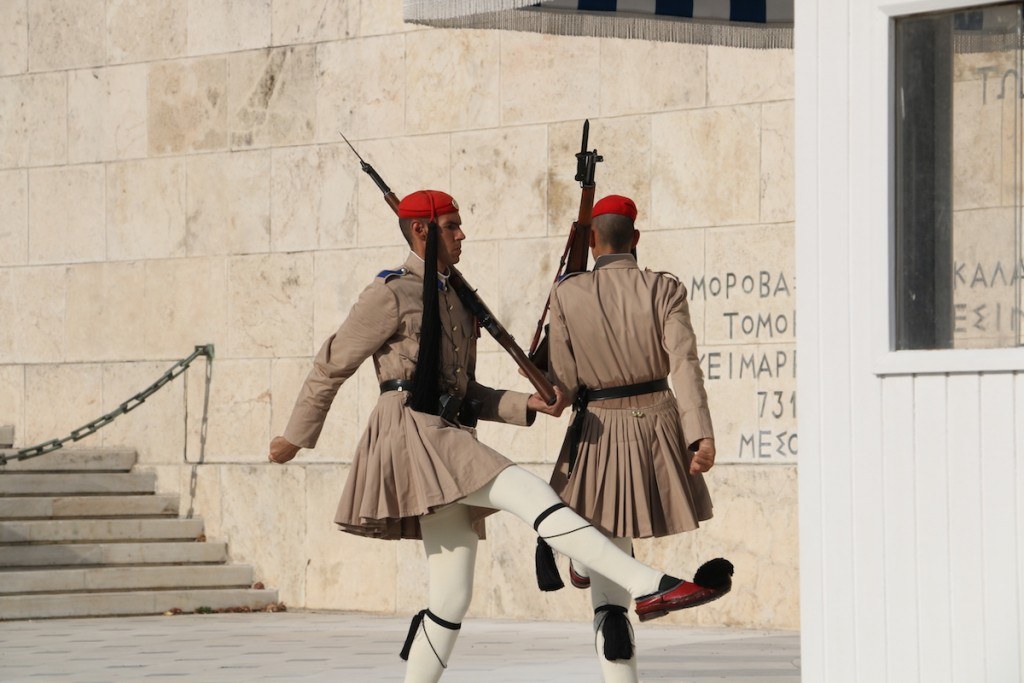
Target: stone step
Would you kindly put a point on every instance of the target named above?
(94, 530)
(77, 460)
(84, 554)
(43, 606)
(46, 580)
(32, 507)
(18, 484)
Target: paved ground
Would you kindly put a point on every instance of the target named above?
(351, 648)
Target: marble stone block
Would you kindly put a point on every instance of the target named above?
(308, 21)
(313, 198)
(146, 209)
(188, 109)
(737, 76)
(639, 76)
(34, 306)
(14, 42)
(752, 396)
(106, 309)
(66, 214)
(987, 67)
(156, 428)
(705, 167)
(345, 571)
(238, 415)
(377, 225)
(272, 97)
(107, 117)
(265, 525)
(452, 83)
(186, 306)
(778, 191)
(342, 428)
(146, 30)
(33, 120)
(681, 253)
(500, 179)
(59, 398)
(541, 79)
(201, 495)
(228, 25)
(361, 88)
(228, 203)
(765, 591)
(977, 148)
(625, 145)
(65, 34)
(373, 18)
(13, 218)
(480, 268)
(749, 285)
(270, 305)
(12, 399)
(527, 272)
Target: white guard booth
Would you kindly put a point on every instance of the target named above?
(911, 401)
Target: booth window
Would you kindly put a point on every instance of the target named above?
(957, 267)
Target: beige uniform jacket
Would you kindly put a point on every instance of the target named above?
(407, 463)
(620, 325)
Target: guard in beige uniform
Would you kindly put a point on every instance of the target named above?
(633, 457)
(419, 471)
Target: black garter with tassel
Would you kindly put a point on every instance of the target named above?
(617, 633)
(417, 620)
(548, 578)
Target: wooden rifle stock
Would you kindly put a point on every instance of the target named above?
(577, 247)
(474, 304)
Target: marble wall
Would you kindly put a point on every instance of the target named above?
(172, 173)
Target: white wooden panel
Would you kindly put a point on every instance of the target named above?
(1018, 407)
(814, 629)
(999, 529)
(900, 529)
(963, 434)
(932, 511)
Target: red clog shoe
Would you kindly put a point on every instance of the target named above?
(577, 580)
(712, 581)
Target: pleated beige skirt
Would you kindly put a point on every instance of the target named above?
(631, 478)
(407, 465)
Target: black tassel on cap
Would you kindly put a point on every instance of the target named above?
(617, 633)
(548, 578)
(426, 388)
(715, 574)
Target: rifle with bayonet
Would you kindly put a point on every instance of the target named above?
(577, 247)
(472, 301)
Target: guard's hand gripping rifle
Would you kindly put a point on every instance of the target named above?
(471, 300)
(577, 248)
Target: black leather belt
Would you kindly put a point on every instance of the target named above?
(451, 408)
(628, 390)
(585, 396)
(396, 385)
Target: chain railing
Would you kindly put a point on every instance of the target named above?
(126, 407)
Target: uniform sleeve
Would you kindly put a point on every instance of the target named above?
(687, 378)
(561, 361)
(497, 405)
(370, 323)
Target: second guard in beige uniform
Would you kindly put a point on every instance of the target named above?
(419, 470)
(617, 334)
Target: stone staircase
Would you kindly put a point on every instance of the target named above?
(81, 534)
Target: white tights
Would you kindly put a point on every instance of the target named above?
(604, 592)
(450, 543)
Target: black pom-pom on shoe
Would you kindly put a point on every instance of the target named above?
(716, 574)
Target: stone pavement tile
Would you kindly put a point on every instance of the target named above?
(354, 648)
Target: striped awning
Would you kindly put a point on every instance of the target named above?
(734, 23)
